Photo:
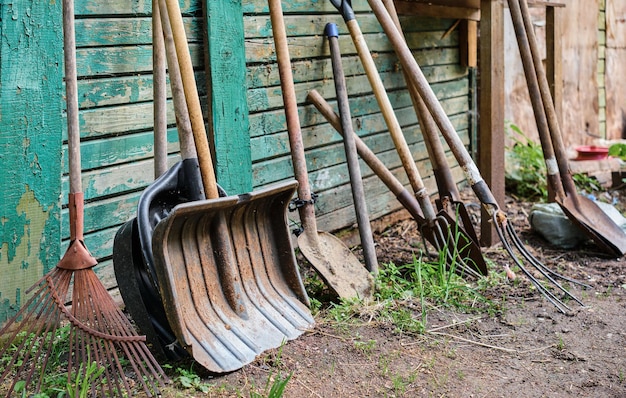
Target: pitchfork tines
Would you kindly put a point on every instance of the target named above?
(509, 238)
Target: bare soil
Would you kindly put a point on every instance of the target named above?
(527, 349)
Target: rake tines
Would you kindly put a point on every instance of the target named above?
(100, 344)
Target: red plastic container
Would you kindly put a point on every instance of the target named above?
(591, 152)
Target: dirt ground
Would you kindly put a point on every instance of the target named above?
(528, 349)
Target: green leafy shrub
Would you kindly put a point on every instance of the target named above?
(525, 168)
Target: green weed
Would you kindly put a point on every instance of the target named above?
(525, 168)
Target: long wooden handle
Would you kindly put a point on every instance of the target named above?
(185, 134)
(193, 101)
(548, 104)
(441, 169)
(307, 211)
(71, 97)
(414, 72)
(159, 91)
(385, 175)
(391, 120)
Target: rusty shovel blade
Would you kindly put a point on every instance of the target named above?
(228, 277)
(594, 222)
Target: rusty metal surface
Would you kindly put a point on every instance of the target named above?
(228, 277)
(594, 222)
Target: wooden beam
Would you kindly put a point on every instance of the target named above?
(31, 130)
(405, 7)
(491, 109)
(225, 63)
(554, 64)
(468, 43)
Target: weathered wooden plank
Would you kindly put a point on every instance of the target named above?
(226, 80)
(274, 145)
(280, 168)
(106, 213)
(266, 75)
(305, 47)
(259, 25)
(112, 151)
(272, 122)
(136, 8)
(266, 98)
(116, 180)
(108, 91)
(31, 103)
(96, 32)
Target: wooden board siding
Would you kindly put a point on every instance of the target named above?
(615, 76)
(582, 67)
(312, 70)
(31, 99)
(116, 122)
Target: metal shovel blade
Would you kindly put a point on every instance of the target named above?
(336, 264)
(228, 277)
(596, 224)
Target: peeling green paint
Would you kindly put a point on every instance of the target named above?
(23, 261)
(31, 125)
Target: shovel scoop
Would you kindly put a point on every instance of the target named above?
(225, 266)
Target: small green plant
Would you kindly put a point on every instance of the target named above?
(586, 183)
(525, 169)
(274, 387)
(365, 347)
(618, 150)
(188, 378)
(560, 345)
(79, 385)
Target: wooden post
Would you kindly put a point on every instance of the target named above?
(31, 128)
(554, 64)
(228, 125)
(491, 108)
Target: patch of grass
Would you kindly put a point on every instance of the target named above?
(274, 387)
(365, 347)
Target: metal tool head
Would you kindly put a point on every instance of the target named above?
(228, 277)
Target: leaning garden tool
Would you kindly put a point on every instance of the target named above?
(582, 211)
(449, 196)
(335, 263)
(133, 259)
(358, 193)
(408, 201)
(99, 329)
(225, 265)
(506, 233)
(442, 231)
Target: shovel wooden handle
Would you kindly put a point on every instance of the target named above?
(159, 91)
(416, 75)
(193, 101)
(185, 134)
(307, 210)
(386, 108)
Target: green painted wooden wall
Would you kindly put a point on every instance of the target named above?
(31, 103)
(115, 95)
